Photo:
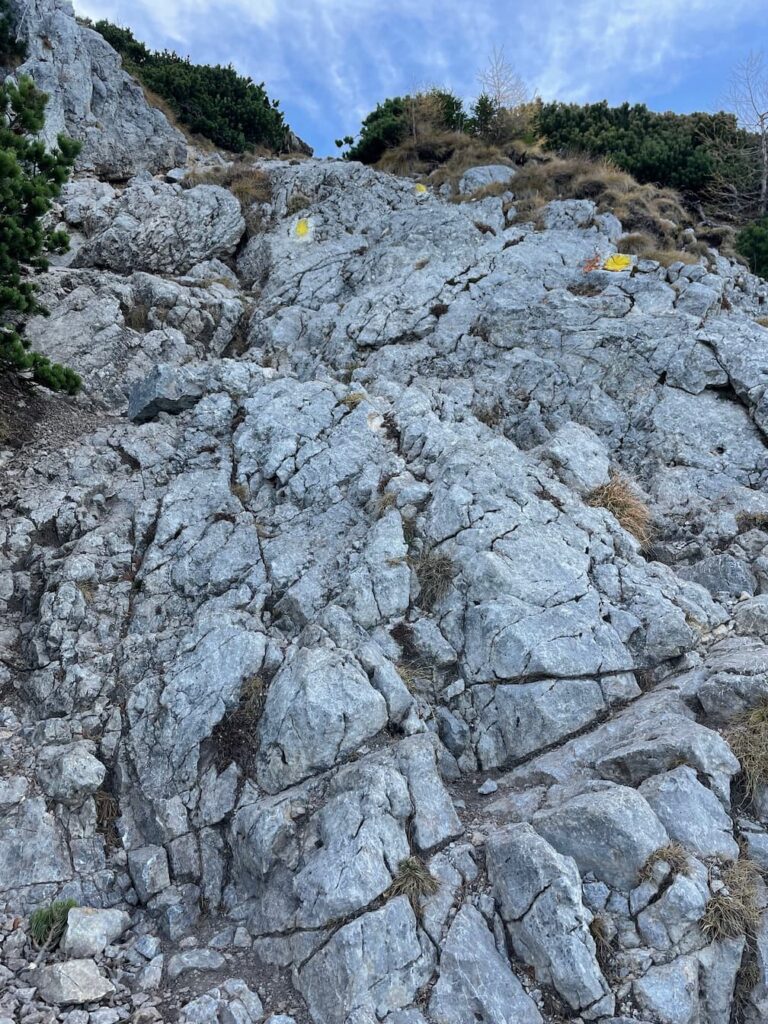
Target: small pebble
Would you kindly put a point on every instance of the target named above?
(488, 787)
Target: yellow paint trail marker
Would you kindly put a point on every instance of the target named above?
(302, 227)
(619, 261)
(420, 189)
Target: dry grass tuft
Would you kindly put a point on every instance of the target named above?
(748, 740)
(734, 910)
(352, 400)
(413, 879)
(107, 813)
(439, 309)
(248, 183)
(235, 735)
(403, 635)
(620, 499)
(491, 415)
(762, 321)
(136, 317)
(445, 156)
(748, 978)
(666, 257)
(384, 503)
(657, 214)
(673, 854)
(598, 929)
(297, 202)
(586, 289)
(435, 572)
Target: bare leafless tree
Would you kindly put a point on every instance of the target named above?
(501, 83)
(748, 99)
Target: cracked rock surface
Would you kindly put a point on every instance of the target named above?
(331, 692)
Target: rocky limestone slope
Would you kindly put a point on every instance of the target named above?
(329, 691)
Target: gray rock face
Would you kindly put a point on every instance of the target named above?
(74, 982)
(90, 97)
(149, 870)
(691, 813)
(149, 217)
(70, 774)
(377, 962)
(346, 560)
(608, 829)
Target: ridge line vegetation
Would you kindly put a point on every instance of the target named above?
(213, 101)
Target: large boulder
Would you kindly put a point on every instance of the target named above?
(74, 982)
(320, 708)
(90, 931)
(90, 97)
(163, 229)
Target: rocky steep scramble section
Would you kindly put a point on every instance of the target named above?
(331, 691)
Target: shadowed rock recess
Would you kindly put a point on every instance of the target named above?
(331, 691)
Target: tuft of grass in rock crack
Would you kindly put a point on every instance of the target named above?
(235, 735)
(47, 924)
(748, 739)
(414, 880)
(747, 979)
(352, 400)
(490, 415)
(620, 499)
(598, 929)
(734, 910)
(673, 854)
(435, 572)
(107, 813)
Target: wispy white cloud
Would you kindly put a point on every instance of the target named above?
(329, 61)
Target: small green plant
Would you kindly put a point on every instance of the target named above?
(47, 924)
(734, 910)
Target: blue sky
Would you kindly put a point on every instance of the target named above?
(329, 61)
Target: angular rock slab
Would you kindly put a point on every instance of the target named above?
(320, 708)
(148, 221)
(377, 962)
(72, 983)
(475, 980)
(539, 895)
(90, 931)
(691, 813)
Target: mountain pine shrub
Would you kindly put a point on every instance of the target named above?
(30, 179)
(752, 243)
